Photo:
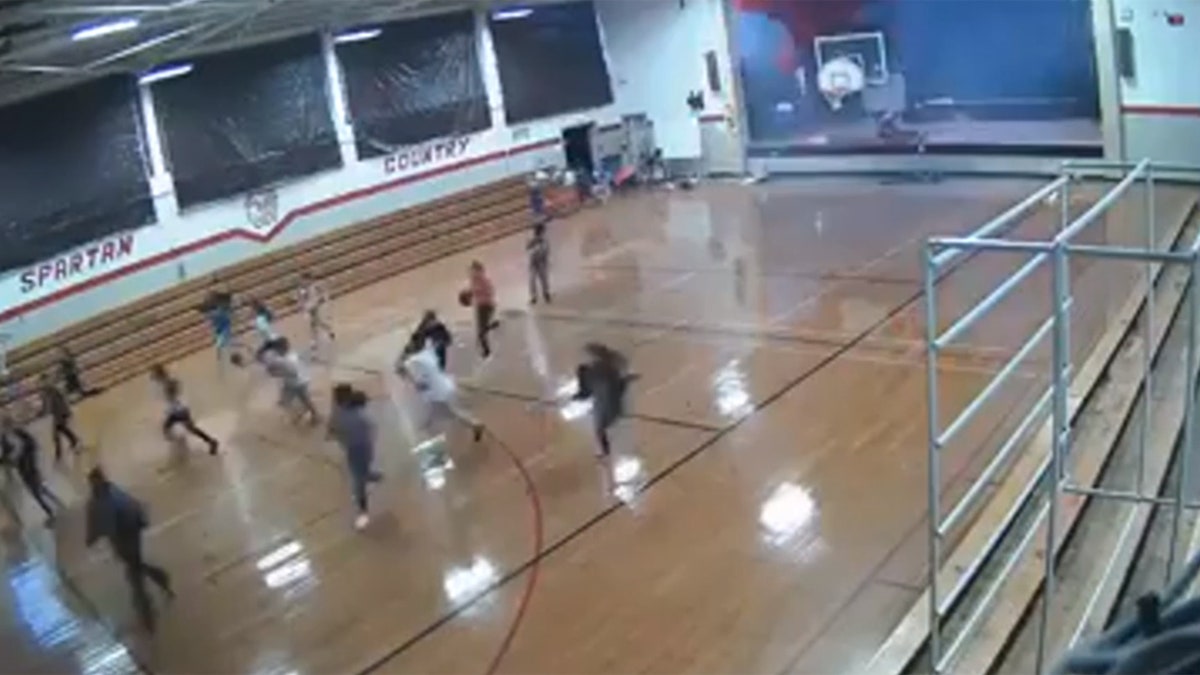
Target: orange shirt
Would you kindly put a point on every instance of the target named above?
(482, 290)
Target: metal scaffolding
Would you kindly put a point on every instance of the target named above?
(1056, 253)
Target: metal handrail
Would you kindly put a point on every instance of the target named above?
(941, 251)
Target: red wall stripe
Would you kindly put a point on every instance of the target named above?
(1167, 110)
(264, 237)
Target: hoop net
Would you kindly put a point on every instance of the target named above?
(838, 79)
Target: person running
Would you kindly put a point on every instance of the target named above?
(58, 408)
(114, 515)
(539, 264)
(436, 388)
(177, 410)
(604, 379)
(19, 449)
(264, 325)
(283, 363)
(432, 330)
(68, 372)
(353, 429)
(218, 309)
(483, 297)
(313, 298)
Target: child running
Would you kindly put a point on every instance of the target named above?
(313, 298)
(265, 327)
(350, 425)
(19, 449)
(56, 406)
(604, 379)
(539, 264)
(483, 298)
(432, 330)
(218, 308)
(68, 372)
(177, 410)
(283, 363)
(435, 387)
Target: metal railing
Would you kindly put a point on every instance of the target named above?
(1054, 253)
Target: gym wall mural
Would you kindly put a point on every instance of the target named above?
(835, 76)
(551, 60)
(75, 172)
(247, 119)
(415, 81)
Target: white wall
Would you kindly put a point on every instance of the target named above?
(655, 52)
(77, 284)
(1160, 104)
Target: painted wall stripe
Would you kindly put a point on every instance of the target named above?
(265, 237)
(1166, 110)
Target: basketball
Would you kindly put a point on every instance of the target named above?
(237, 360)
(464, 298)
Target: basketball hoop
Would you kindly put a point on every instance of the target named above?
(838, 79)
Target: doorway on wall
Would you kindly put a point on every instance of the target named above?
(577, 144)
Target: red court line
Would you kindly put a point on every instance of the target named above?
(265, 237)
(535, 506)
(1166, 110)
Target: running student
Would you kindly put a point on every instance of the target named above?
(539, 264)
(353, 429)
(218, 309)
(177, 410)
(114, 515)
(68, 372)
(432, 330)
(56, 406)
(435, 387)
(19, 449)
(283, 363)
(313, 298)
(483, 298)
(604, 379)
(264, 325)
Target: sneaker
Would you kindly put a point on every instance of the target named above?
(212, 449)
(478, 431)
(362, 521)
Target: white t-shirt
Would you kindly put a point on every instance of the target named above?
(425, 372)
(312, 297)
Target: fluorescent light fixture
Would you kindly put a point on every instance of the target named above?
(101, 29)
(511, 14)
(357, 36)
(168, 73)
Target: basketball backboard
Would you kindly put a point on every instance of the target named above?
(868, 50)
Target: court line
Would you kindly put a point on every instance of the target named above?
(535, 505)
(665, 421)
(603, 514)
(915, 529)
(833, 277)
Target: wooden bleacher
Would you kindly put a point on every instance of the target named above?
(124, 342)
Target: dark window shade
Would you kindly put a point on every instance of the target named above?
(71, 170)
(551, 62)
(419, 80)
(246, 119)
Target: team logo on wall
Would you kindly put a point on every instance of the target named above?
(262, 209)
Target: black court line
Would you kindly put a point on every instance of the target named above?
(835, 277)
(664, 473)
(700, 329)
(665, 421)
(525, 398)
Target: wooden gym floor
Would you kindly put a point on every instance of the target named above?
(764, 512)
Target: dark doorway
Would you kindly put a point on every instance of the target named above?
(577, 143)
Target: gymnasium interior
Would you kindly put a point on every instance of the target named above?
(903, 296)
